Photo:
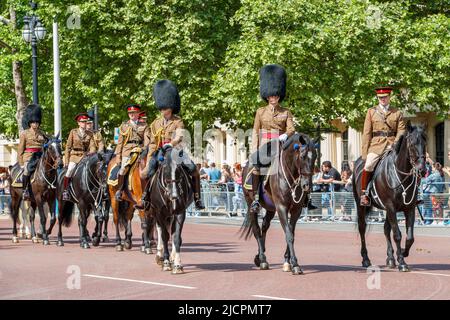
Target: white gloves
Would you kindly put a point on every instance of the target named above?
(283, 137)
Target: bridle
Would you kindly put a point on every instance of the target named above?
(296, 181)
(45, 163)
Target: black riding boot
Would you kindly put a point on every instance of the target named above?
(255, 188)
(153, 165)
(120, 184)
(310, 205)
(196, 186)
(25, 189)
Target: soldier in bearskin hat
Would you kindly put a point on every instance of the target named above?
(79, 143)
(131, 139)
(31, 143)
(273, 123)
(382, 128)
(96, 134)
(167, 131)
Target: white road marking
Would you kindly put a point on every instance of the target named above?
(394, 270)
(269, 297)
(139, 281)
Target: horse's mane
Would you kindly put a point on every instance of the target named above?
(415, 133)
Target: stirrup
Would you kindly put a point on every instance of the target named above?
(364, 201)
(65, 195)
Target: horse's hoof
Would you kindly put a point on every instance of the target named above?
(264, 266)
(167, 266)
(119, 247)
(366, 263)
(96, 242)
(15, 240)
(46, 242)
(287, 267)
(86, 245)
(142, 249)
(257, 261)
(390, 263)
(297, 270)
(403, 268)
(60, 243)
(128, 245)
(148, 251)
(35, 240)
(159, 260)
(177, 270)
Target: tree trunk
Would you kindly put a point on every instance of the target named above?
(19, 88)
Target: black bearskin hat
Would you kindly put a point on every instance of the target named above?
(272, 81)
(166, 95)
(33, 113)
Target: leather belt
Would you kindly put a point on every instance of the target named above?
(78, 149)
(133, 141)
(383, 134)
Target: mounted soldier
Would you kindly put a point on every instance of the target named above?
(273, 124)
(383, 127)
(167, 132)
(99, 143)
(31, 145)
(79, 143)
(131, 140)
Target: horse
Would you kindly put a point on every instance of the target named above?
(43, 186)
(102, 213)
(394, 188)
(123, 211)
(285, 192)
(86, 190)
(170, 195)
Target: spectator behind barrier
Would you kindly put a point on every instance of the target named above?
(213, 173)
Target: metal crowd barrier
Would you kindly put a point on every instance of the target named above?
(228, 200)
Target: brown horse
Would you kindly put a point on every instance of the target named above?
(286, 192)
(123, 211)
(43, 188)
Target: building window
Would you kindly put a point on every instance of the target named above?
(439, 135)
(345, 145)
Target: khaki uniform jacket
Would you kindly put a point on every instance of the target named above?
(77, 146)
(278, 121)
(161, 133)
(131, 135)
(99, 143)
(377, 120)
(29, 138)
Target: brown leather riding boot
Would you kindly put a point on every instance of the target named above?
(365, 178)
(120, 184)
(66, 195)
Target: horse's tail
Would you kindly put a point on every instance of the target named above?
(123, 208)
(67, 213)
(246, 229)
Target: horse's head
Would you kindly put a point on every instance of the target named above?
(53, 152)
(304, 155)
(95, 165)
(416, 143)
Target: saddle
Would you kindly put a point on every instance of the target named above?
(17, 177)
(113, 178)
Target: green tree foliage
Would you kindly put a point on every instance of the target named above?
(335, 52)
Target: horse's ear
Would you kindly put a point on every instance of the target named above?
(302, 140)
(409, 127)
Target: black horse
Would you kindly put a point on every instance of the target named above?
(43, 186)
(86, 190)
(170, 195)
(394, 188)
(102, 212)
(286, 192)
